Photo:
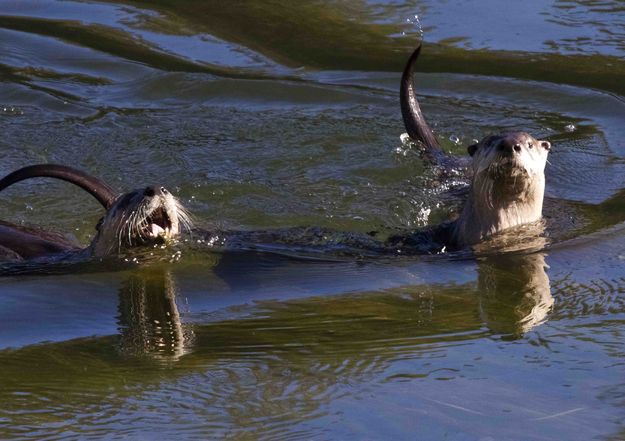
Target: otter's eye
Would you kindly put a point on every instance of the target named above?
(545, 144)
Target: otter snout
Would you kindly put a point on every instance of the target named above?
(510, 145)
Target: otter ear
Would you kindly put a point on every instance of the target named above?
(545, 144)
(472, 149)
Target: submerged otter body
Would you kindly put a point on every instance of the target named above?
(23, 243)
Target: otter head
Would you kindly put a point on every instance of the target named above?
(510, 168)
(507, 187)
(508, 171)
(141, 217)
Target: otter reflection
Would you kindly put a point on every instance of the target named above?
(292, 358)
(514, 292)
(513, 296)
(149, 319)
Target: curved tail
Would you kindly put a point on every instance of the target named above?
(94, 186)
(415, 123)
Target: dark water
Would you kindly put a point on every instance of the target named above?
(276, 113)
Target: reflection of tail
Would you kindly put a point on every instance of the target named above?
(515, 294)
(149, 321)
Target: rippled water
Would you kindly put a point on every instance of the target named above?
(262, 114)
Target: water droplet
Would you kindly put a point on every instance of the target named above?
(402, 152)
(454, 139)
(11, 110)
(417, 23)
(570, 128)
(29, 207)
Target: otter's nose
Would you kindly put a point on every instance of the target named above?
(155, 191)
(509, 146)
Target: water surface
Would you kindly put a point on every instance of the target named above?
(271, 114)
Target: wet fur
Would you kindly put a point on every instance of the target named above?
(508, 182)
(507, 187)
(127, 223)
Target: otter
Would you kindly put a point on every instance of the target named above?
(506, 191)
(138, 218)
(143, 216)
(507, 177)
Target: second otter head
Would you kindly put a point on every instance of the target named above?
(140, 217)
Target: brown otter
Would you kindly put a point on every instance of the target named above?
(142, 216)
(507, 189)
(507, 183)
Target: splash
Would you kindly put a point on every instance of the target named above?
(414, 20)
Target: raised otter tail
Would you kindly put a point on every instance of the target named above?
(95, 187)
(415, 123)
